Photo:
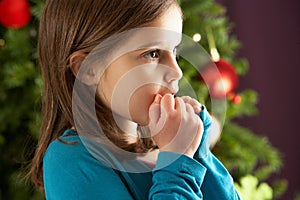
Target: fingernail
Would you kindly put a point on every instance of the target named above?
(197, 109)
(157, 98)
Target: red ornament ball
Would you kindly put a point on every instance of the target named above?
(221, 78)
(235, 98)
(14, 13)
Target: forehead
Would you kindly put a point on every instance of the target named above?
(165, 32)
(171, 19)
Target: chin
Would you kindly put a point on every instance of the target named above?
(143, 123)
(140, 112)
(141, 119)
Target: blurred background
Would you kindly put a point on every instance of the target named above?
(257, 46)
(269, 31)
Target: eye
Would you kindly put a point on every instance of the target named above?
(153, 55)
(175, 51)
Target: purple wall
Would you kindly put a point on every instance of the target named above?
(269, 31)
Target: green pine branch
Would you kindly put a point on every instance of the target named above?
(243, 152)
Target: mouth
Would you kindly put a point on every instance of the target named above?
(174, 91)
(168, 91)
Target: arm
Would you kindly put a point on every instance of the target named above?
(177, 176)
(213, 181)
(217, 183)
(177, 131)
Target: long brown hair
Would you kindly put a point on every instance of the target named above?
(70, 26)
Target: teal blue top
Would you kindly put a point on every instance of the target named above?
(72, 172)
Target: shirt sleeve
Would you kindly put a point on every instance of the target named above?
(204, 177)
(217, 183)
(176, 177)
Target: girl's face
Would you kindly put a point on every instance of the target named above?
(131, 82)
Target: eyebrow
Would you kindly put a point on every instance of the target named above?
(156, 43)
(151, 44)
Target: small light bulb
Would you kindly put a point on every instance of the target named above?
(223, 85)
(197, 37)
(215, 54)
(2, 42)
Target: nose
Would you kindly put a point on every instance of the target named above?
(175, 73)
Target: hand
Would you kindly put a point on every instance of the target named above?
(193, 102)
(174, 125)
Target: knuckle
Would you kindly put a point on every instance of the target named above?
(169, 96)
(196, 119)
(185, 97)
(178, 99)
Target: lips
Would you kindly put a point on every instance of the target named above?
(167, 91)
(174, 91)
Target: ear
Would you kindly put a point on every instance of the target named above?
(88, 75)
(75, 61)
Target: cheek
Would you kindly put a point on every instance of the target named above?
(104, 92)
(140, 102)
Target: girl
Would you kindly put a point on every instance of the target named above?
(76, 160)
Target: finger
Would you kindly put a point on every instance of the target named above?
(167, 103)
(180, 105)
(189, 108)
(154, 110)
(193, 102)
(197, 109)
(187, 99)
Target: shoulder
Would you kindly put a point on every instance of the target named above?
(69, 169)
(67, 147)
(68, 154)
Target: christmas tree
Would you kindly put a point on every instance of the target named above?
(244, 153)
(250, 159)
